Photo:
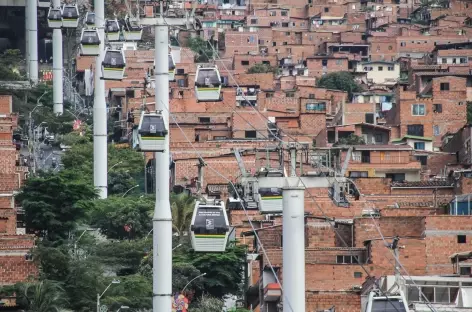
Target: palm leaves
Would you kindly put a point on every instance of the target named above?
(44, 296)
(182, 207)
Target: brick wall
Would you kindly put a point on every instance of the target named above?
(342, 300)
(316, 68)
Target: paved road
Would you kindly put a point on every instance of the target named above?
(45, 154)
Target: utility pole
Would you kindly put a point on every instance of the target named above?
(32, 33)
(396, 253)
(57, 61)
(293, 239)
(100, 151)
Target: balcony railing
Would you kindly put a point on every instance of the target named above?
(387, 159)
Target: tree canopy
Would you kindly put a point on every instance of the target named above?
(202, 48)
(260, 68)
(343, 81)
(53, 203)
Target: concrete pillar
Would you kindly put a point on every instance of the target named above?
(293, 246)
(57, 65)
(32, 20)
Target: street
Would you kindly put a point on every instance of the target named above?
(47, 156)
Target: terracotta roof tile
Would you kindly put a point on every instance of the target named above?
(423, 184)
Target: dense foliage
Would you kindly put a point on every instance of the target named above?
(343, 81)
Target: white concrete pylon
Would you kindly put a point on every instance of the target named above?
(293, 245)
(57, 67)
(100, 148)
(32, 32)
(162, 220)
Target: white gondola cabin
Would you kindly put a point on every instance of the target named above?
(55, 18)
(210, 227)
(112, 28)
(70, 16)
(390, 303)
(132, 32)
(152, 132)
(90, 19)
(208, 84)
(171, 68)
(90, 42)
(270, 200)
(113, 65)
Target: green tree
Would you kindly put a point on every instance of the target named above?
(224, 271)
(10, 62)
(112, 214)
(54, 202)
(43, 296)
(123, 257)
(209, 304)
(134, 291)
(202, 48)
(182, 207)
(352, 139)
(260, 68)
(343, 81)
(79, 158)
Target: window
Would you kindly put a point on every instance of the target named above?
(269, 95)
(204, 119)
(284, 13)
(254, 21)
(245, 63)
(266, 62)
(419, 145)
(272, 13)
(219, 138)
(261, 41)
(381, 68)
(402, 43)
(357, 274)
(180, 71)
(311, 96)
(346, 260)
(461, 239)
(418, 110)
(316, 107)
(396, 177)
(444, 60)
(284, 24)
(250, 134)
(465, 271)
(358, 174)
(390, 68)
(369, 118)
(436, 130)
(437, 108)
(444, 86)
(181, 83)
(284, 43)
(287, 33)
(290, 95)
(339, 62)
(416, 130)
(326, 10)
(463, 60)
(423, 160)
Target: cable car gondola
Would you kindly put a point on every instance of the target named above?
(113, 65)
(132, 32)
(113, 30)
(208, 84)
(90, 19)
(55, 18)
(171, 68)
(210, 227)
(70, 16)
(152, 132)
(90, 42)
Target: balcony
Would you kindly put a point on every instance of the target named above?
(272, 292)
(386, 159)
(246, 94)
